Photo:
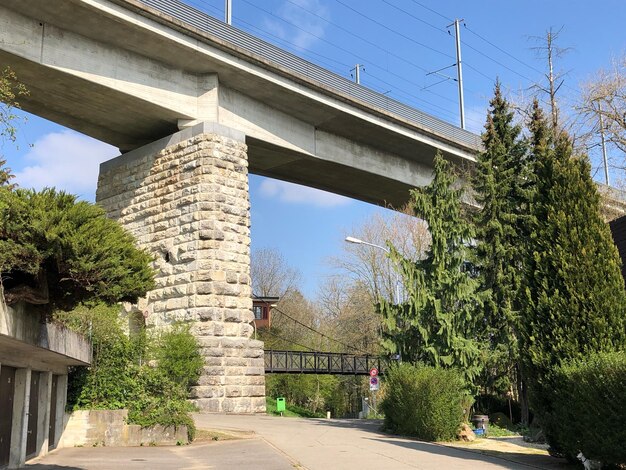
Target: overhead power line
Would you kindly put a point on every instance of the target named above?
(447, 18)
(415, 17)
(342, 67)
(394, 31)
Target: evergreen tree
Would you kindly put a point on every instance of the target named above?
(437, 323)
(59, 252)
(575, 295)
(502, 186)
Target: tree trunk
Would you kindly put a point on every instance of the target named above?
(522, 392)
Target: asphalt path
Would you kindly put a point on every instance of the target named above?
(281, 443)
(320, 444)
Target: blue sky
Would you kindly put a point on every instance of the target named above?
(398, 42)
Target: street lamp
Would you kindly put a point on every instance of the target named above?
(358, 241)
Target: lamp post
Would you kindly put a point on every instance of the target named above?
(358, 241)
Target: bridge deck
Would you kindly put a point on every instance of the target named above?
(308, 362)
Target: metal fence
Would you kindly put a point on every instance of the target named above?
(313, 362)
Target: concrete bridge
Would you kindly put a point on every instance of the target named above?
(194, 105)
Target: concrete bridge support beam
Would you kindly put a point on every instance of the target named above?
(185, 199)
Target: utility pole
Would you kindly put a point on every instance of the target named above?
(606, 162)
(357, 73)
(228, 12)
(459, 69)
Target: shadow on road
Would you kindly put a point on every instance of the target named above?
(479, 455)
(39, 466)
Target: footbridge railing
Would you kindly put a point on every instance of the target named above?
(313, 362)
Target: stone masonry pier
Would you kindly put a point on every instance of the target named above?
(185, 199)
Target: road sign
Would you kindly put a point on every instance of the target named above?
(374, 384)
(373, 372)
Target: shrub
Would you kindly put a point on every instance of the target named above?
(178, 357)
(424, 402)
(120, 377)
(589, 408)
(310, 393)
(58, 251)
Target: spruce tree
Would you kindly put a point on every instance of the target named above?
(502, 186)
(438, 320)
(575, 295)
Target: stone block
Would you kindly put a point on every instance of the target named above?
(209, 405)
(207, 391)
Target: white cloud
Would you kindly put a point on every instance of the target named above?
(296, 194)
(308, 28)
(66, 160)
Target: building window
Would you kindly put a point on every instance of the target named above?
(258, 312)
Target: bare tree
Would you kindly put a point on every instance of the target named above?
(549, 51)
(349, 315)
(370, 265)
(270, 273)
(602, 111)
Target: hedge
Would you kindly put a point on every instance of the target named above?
(589, 408)
(424, 402)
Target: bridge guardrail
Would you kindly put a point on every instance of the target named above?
(313, 362)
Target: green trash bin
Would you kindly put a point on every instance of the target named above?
(280, 404)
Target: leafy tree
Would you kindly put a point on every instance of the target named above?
(10, 90)
(575, 295)
(58, 251)
(438, 322)
(502, 186)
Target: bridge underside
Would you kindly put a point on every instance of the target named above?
(128, 75)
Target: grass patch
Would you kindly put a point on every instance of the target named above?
(213, 435)
(292, 411)
(497, 431)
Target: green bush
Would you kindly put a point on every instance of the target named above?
(68, 249)
(178, 356)
(309, 393)
(120, 376)
(424, 402)
(589, 408)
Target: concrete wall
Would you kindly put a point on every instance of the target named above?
(108, 428)
(185, 199)
(45, 346)
(30, 344)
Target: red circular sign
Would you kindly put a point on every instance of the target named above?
(373, 372)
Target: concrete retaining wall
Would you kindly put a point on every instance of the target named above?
(108, 428)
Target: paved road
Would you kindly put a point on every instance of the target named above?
(318, 444)
(288, 443)
(227, 455)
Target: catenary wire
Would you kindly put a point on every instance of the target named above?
(450, 114)
(395, 88)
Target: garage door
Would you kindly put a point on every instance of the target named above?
(7, 391)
